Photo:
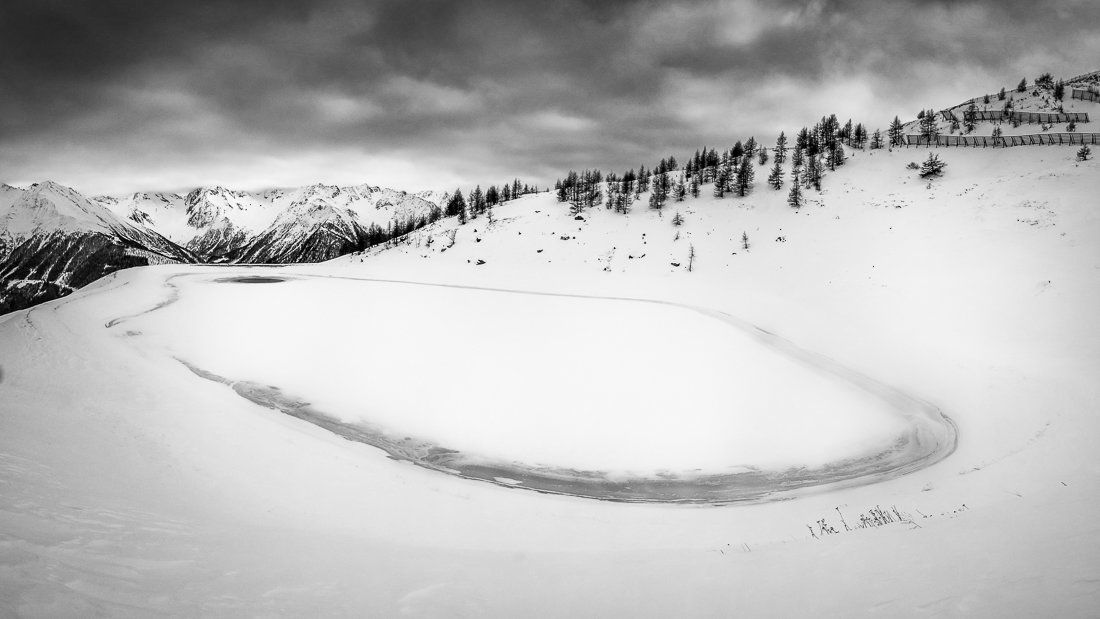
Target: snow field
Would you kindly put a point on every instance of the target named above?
(138, 488)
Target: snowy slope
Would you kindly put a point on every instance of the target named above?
(146, 487)
(1033, 99)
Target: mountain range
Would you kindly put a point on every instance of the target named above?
(53, 239)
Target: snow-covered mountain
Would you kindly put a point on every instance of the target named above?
(313, 228)
(53, 239)
(302, 224)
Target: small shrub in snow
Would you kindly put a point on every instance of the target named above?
(912, 166)
(678, 219)
(1083, 154)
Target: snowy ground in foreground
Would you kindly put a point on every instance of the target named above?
(130, 487)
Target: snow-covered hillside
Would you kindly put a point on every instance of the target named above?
(1034, 98)
(214, 449)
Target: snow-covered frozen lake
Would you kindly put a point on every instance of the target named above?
(545, 391)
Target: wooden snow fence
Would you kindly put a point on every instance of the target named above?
(1051, 138)
(1050, 118)
(1023, 117)
(1004, 141)
(1085, 95)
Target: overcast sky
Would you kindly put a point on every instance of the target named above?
(117, 96)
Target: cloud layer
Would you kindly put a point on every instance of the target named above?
(119, 95)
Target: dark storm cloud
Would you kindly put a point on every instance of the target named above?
(478, 90)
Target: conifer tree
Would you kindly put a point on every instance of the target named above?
(794, 198)
(932, 166)
(745, 174)
(712, 162)
(1001, 95)
(876, 140)
(1022, 86)
(477, 203)
(456, 205)
(720, 182)
(775, 179)
(896, 132)
(724, 177)
(813, 172)
(835, 155)
(969, 118)
(695, 186)
(928, 128)
(781, 148)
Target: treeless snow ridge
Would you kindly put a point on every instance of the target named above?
(132, 487)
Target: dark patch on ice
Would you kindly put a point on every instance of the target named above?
(251, 279)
